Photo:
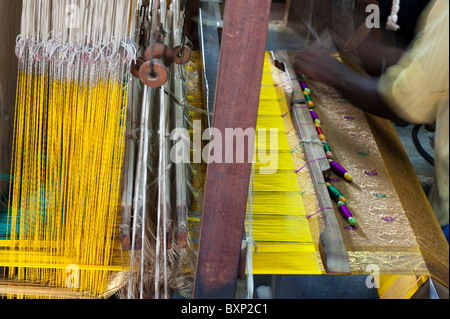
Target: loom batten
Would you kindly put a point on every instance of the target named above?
(332, 247)
(305, 127)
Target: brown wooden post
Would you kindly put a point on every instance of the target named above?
(244, 39)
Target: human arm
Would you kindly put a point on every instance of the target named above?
(376, 56)
(360, 90)
(411, 90)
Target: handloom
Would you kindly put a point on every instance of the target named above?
(111, 191)
(390, 231)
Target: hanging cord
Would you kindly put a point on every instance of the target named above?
(419, 147)
(153, 34)
(157, 33)
(143, 15)
(183, 37)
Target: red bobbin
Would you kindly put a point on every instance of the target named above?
(154, 73)
(181, 56)
(161, 52)
(135, 66)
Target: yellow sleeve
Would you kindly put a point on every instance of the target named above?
(415, 86)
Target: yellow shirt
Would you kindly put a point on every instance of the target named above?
(417, 90)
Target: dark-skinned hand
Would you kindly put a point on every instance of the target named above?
(362, 91)
(319, 66)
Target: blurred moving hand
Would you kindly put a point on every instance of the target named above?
(318, 66)
(361, 90)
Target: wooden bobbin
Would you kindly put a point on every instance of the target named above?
(181, 57)
(161, 52)
(154, 77)
(135, 66)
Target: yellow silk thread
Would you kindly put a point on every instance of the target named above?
(67, 158)
(284, 244)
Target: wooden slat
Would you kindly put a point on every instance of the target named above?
(332, 246)
(302, 119)
(238, 88)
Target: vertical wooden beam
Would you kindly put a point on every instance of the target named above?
(332, 246)
(244, 39)
(286, 12)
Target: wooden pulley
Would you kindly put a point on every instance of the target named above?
(135, 66)
(181, 56)
(161, 52)
(154, 73)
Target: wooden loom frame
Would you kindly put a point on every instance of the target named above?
(226, 185)
(206, 286)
